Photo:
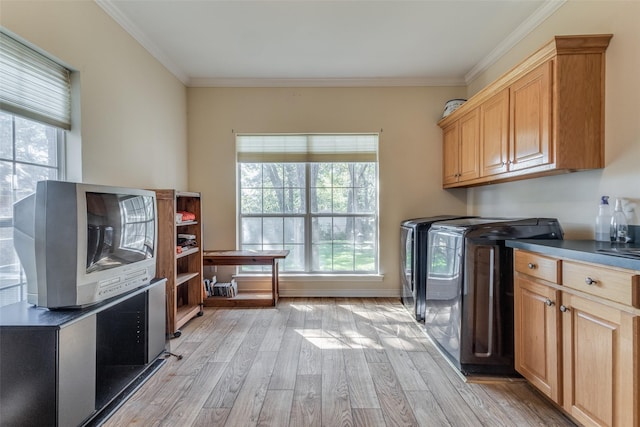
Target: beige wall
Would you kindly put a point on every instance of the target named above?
(135, 116)
(574, 198)
(410, 157)
(130, 129)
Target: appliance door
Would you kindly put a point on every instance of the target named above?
(487, 321)
(420, 251)
(406, 266)
(443, 294)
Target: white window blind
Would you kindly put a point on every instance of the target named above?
(304, 148)
(32, 85)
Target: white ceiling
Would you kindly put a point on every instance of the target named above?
(325, 42)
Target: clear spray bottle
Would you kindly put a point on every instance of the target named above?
(603, 221)
(619, 228)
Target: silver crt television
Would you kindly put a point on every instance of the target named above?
(80, 244)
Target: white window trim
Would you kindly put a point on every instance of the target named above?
(308, 148)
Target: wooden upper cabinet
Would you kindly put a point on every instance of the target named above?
(461, 150)
(469, 146)
(545, 116)
(451, 149)
(530, 113)
(494, 134)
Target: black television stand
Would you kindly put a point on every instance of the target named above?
(65, 367)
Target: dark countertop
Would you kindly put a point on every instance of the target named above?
(581, 250)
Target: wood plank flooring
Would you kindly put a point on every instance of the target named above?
(321, 362)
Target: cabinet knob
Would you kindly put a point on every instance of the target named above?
(531, 266)
(564, 308)
(589, 281)
(549, 303)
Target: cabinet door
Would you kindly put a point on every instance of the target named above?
(600, 376)
(530, 119)
(469, 146)
(494, 134)
(537, 335)
(450, 153)
(77, 376)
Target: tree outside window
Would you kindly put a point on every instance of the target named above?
(325, 214)
(29, 152)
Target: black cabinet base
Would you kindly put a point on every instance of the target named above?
(62, 368)
(108, 409)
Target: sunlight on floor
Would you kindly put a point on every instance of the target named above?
(329, 342)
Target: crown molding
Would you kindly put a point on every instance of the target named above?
(330, 82)
(112, 10)
(541, 14)
(538, 17)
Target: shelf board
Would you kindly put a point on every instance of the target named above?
(187, 252)
(190, 194)
(180, 224)
(185, 277)
(243, 299)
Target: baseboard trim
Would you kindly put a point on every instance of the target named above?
(340, 293)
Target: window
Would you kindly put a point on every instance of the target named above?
(324, 210)
(35, 107)
(29, 152)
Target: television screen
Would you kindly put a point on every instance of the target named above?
(120, 230)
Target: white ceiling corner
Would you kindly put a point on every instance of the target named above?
(114, 12)
(540, 15)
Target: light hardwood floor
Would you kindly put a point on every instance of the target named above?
(321, 362)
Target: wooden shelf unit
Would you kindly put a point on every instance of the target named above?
(182, 270)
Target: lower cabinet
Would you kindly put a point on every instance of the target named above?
(598, 362)
(537, 333)
(580, 350)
